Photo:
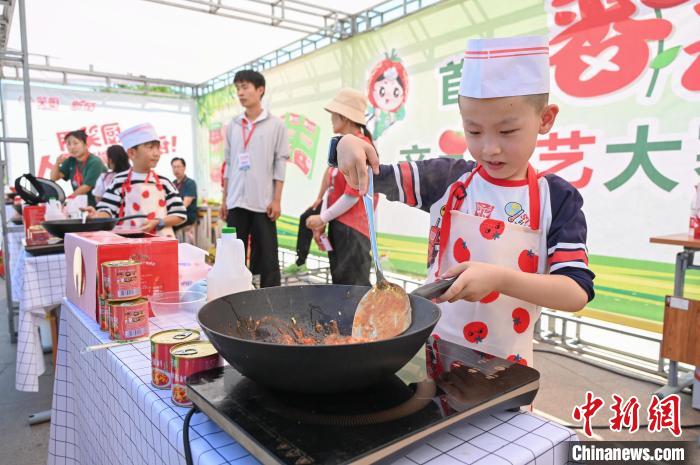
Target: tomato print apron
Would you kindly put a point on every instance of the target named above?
(498, 324)
(145, 199)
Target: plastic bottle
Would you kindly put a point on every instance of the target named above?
(229, 274)
(53, 211)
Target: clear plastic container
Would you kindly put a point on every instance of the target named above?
(174, 302)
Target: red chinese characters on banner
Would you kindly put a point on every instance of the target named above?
(587, 411)
(61, 136)
(110, 131)
(568, 158)
(216, 136)
(82, 105)
(691, 77)
(168, 144)
(665, 414)
(604, 49)
(94, 136)
(47, 103)
(98, 135)
(626, 415)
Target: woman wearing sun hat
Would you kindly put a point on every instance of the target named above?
(343, 209)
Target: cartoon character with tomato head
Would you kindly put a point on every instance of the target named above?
(387, 90)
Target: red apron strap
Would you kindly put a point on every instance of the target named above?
(459, 192)
(534, 193)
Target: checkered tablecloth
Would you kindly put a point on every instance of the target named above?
(14, 246)
(38, 283)
(105, 411)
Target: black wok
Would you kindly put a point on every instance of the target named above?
(60, 228)
(311, 368)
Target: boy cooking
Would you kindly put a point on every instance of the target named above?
(140, 190)
(516, 239)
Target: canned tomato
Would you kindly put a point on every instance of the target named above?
(161, 343)
(129, 319)
(103, 313)
(121, 280)
(187, 359)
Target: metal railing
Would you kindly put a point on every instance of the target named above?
(561, 331)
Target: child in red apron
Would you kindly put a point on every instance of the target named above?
(139, 190)
(516, 239)
(343, 209)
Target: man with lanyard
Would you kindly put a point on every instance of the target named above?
(140, 190)
(187, 188)
(79, 166)
(256, 153)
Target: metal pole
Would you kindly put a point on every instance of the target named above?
(3, 218)
(25, 81)
(682, 260)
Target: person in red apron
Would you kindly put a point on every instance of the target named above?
(140, 190)
(515, 239)
(342, 209)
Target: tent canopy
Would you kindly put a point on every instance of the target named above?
(154, 38)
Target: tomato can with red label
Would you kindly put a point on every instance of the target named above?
(121, 280)
(129, 319)
(161, 361)
(187, 359)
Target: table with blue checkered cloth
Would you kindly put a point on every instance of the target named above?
(38, 284)
(15, 236)
(105, 411)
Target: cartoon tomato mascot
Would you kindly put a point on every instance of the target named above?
(387, 91)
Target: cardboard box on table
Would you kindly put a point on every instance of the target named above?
(85, 253)
(34, 232)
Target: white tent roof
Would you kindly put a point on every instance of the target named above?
(144, 38)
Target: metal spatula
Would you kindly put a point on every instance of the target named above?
(385, 311)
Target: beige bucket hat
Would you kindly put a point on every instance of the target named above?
(349, 103)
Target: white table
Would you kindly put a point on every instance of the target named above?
(38, 283)
(105, 411)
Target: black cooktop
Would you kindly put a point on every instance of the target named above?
(366, 425)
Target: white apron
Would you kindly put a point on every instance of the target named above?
(498, 324)
(145, 199)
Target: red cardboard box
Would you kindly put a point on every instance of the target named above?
(85, 253)
(34, 232)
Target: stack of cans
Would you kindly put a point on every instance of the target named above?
(122, 310)
(176, 355)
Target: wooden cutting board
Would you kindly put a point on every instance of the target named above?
(681, 341)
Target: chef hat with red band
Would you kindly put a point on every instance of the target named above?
(505, 67)
(139, 134)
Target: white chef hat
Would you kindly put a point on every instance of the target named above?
(139, 134)
(505, 67)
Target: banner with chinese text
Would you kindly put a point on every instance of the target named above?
(626, 76)
(55, 112)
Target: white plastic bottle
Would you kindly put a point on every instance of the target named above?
(53, 211)
(229, 273)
